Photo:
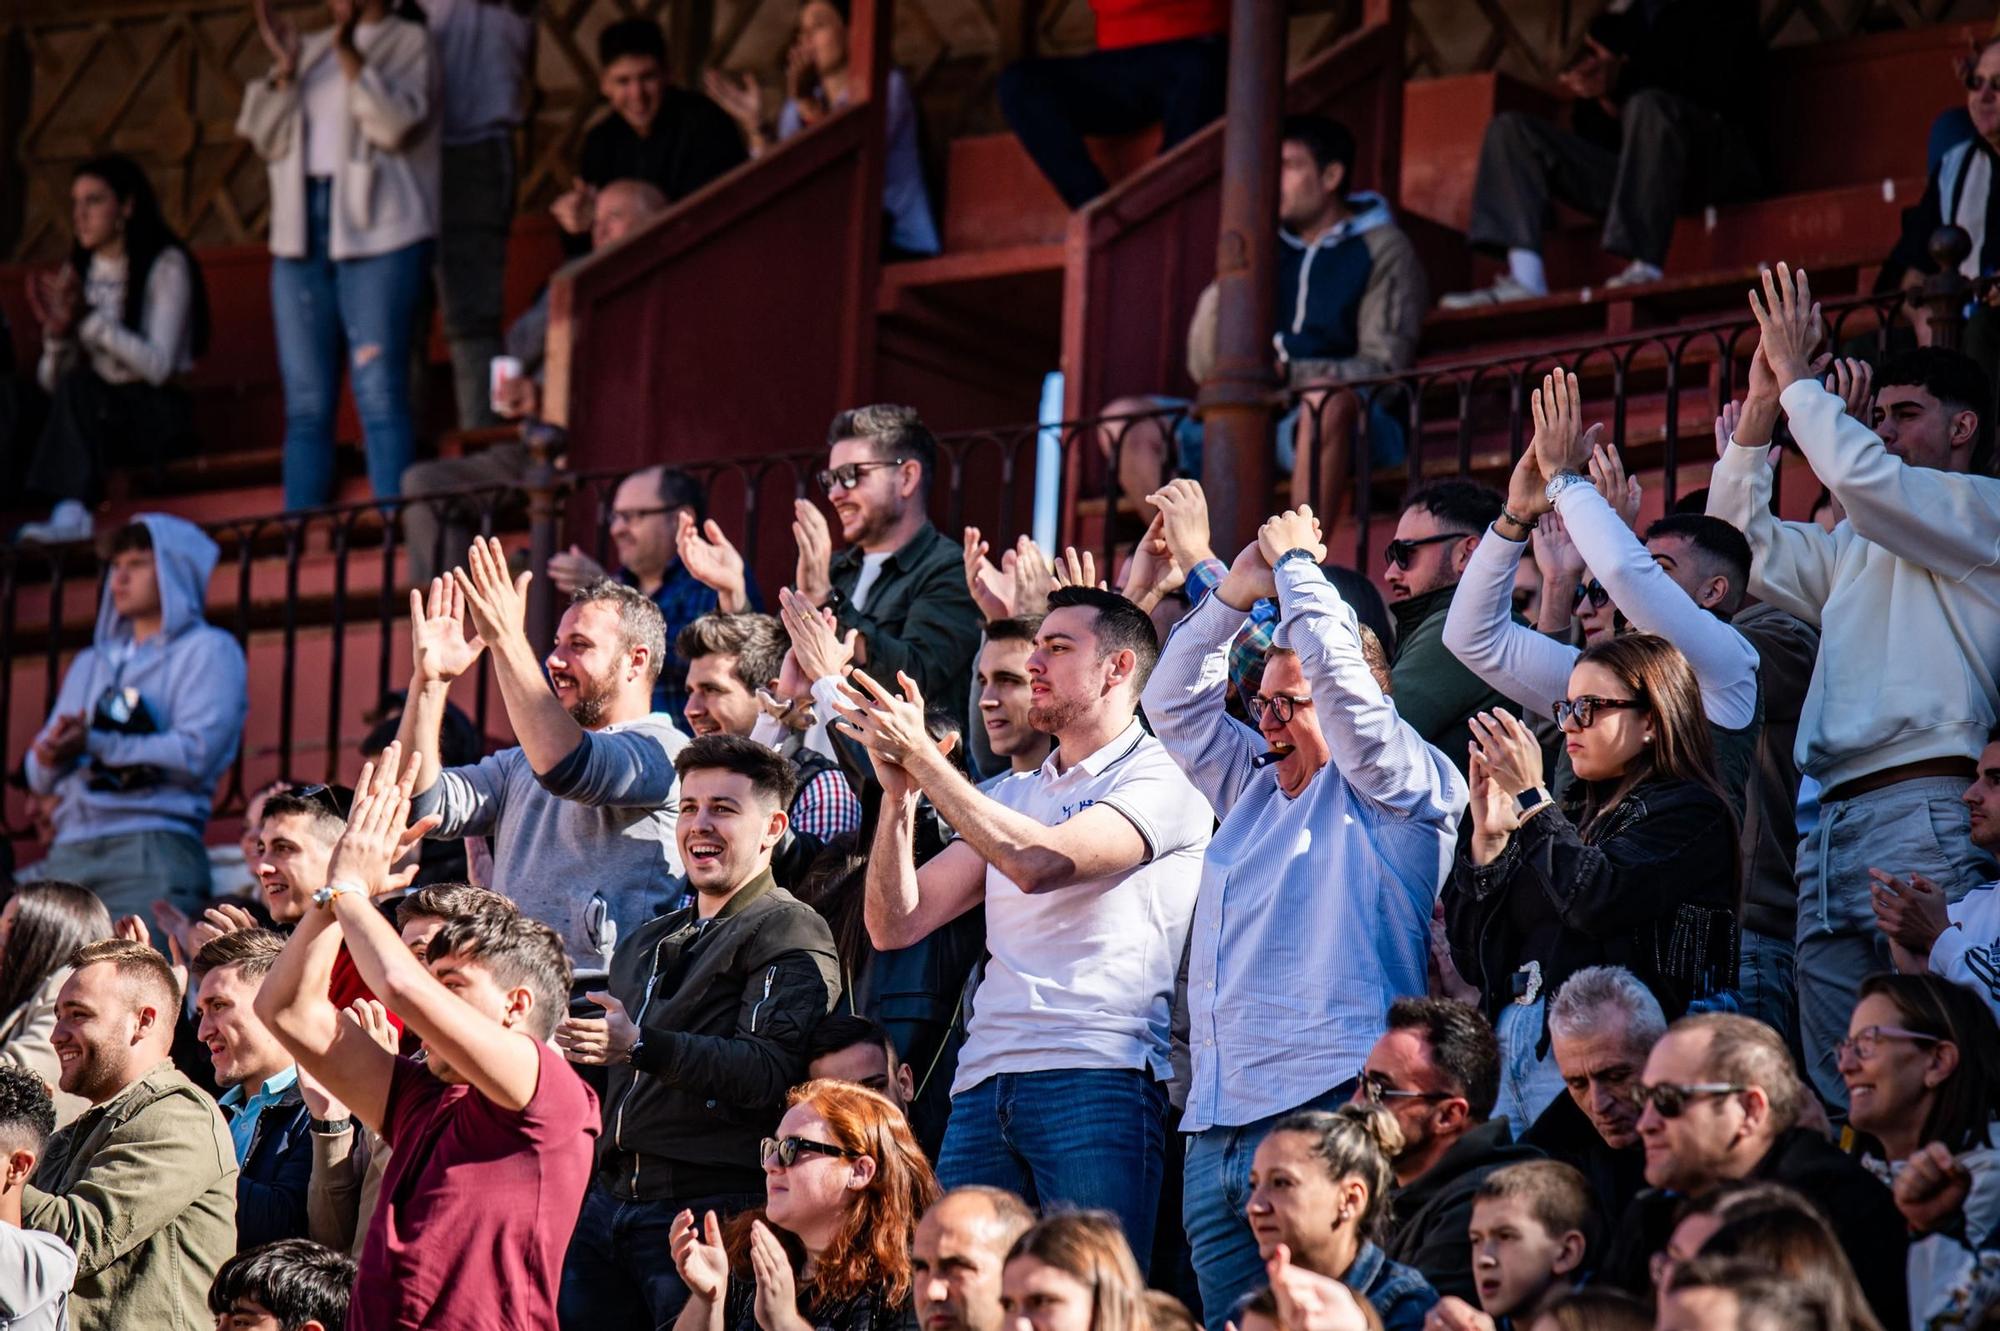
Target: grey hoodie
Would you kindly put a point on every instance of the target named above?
(192, 679)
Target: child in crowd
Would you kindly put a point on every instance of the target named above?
(1532, 1233)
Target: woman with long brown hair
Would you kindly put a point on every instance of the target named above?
(1635, 867)
(844, 1185)
(1074, 1272)
(41, 927)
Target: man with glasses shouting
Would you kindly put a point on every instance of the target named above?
(1335, 818)
(1721, 1101)
(898, 581)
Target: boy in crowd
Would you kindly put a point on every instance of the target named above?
(1533, 1226)
(290, 1285)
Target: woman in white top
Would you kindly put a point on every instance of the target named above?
(816, 85)
(41, 927)
(348, 122)
(122, 318)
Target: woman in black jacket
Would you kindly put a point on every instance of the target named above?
(1636, 867)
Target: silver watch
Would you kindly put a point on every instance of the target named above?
(1562, 481)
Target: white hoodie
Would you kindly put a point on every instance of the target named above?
(1906, 593)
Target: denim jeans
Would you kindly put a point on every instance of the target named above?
(1084, 1137)
(619, 1271)
(369, 305)
(1217, 1190)
(132, 870)
(1528, 1081)
(472, 266)
(1767, 983)
(1911, 827)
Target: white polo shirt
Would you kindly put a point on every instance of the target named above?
(1083, 976)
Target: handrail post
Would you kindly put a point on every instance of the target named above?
(544, 443)
(1946, 291)
(1236, 402)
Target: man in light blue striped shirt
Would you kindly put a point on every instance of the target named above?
(1316, 891)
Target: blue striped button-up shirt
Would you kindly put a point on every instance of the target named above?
(1314, 912)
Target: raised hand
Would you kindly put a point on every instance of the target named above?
(439, 650)
(887, 724)
(226, 918)
(371, 1018)
(1854, 381)
(1560, 443)
(1555, 554)
(1308, 1301)
(1183, 509)
(1495, 815)
(1249, 579)
(598, 1040)
(1622, 492)
(1911, 913)
(1294, 529)
(816, 641)
(1153, 572)
(575, 208)
(710, 559)
(777, 1303)
(991, 585)
(281, 39)
(497, 603)
(738, 95)
(814, 577)
(1077, 570)
(1508, 750)
(132, 929)
(572, 568)
(1788, 322)
(376, 835)
(1033, 578)
(699, 1256)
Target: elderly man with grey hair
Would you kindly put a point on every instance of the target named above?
(1602, 1024)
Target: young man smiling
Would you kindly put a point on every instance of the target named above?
(707, 1019)
(1340, 839)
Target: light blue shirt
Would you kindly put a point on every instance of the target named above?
(245, 1113)
(1314, 913)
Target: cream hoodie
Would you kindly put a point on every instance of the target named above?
(1906, 592)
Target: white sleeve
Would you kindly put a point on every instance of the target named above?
(1791, 563)
(1529, 667)
(154, 352)
(1184, 702)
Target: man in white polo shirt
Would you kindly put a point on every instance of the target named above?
(1088, 868)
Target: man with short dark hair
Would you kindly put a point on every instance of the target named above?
(268, 1121)
(1002, 699)
(708, 1012)
(143, 1185)
(1437, 1069)
(1096, 854)
(491, 1134)
(855, 1048)
(897, 582)
(36, 1269)
(146, 722)
(288, 1285)
(581, 812)
(295, 840)
(1906, 592)
(961, 1246)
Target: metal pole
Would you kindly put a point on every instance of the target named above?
(1946, 291)
(1237, 401)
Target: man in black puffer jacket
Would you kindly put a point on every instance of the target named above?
(706, 1026)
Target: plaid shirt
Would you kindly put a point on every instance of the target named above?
(1253, 640)
(826, 807)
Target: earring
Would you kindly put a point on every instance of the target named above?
(1649, 739)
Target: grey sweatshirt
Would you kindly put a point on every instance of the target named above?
(600, 823)
(189, 676)
(36, 1271)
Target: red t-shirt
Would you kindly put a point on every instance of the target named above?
(1140, 22)
(477, 1204)
(347, 985)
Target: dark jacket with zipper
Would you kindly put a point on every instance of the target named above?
(276, 1174)
(725, 1008)
(919, 617)
(1654, 891)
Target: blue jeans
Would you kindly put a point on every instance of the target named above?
(369, 305)
(1216, 1191)
(1084, 1138)
(1528, 1080)
(1767, 983)
(619, 1271)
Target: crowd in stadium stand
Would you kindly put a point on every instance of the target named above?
(1601, 933)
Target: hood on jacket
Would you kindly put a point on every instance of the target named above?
(183, 558)
(1367, 210)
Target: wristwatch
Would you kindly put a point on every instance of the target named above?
(332, 1127)
(324, 897)
(1531, 799)
(1296, 552)
(1562, 481)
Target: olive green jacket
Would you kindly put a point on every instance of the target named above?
(143, 1187)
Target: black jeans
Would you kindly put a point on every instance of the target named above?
(94, 425)
(1052, 102)
(1673, 153)
(620, 1272)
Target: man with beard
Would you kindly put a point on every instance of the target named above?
(1088, 871)
(899, 582)
(587, 798)
(961, 1246)
(143, 1185)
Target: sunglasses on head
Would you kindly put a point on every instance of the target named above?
(1671, 1100)
(337, 800)
(1400, 553)
(785, 1151)
(1592, 591)
(849, 474)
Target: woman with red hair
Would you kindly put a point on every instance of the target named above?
(844, 1184)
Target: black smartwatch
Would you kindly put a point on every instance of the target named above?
(1530, 800)
(332, 1127)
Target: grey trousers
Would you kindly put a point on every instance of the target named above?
(130, 872)
(472, 266)
(438, 532)
(1673, 150)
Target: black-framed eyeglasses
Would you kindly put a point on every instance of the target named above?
(1400, 552)
(849, 474)
(785, 1151)
(337, 800)
(1593, 592)
(1377, 1091)
(1280, 705)
(1671, 1099)
(630, 516)
(1584, 710)
(1867, 1042)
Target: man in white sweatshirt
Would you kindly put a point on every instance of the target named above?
(1906, 593)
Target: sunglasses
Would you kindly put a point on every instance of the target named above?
(1592, 591)
(785, 1151)
(1976, 84)
(1584, 710)
(1281, 705)
(1864, 1043)
(1400, 553)
(1671, 1100)
(336, 800)
(848, 475)
(1376, 1090)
